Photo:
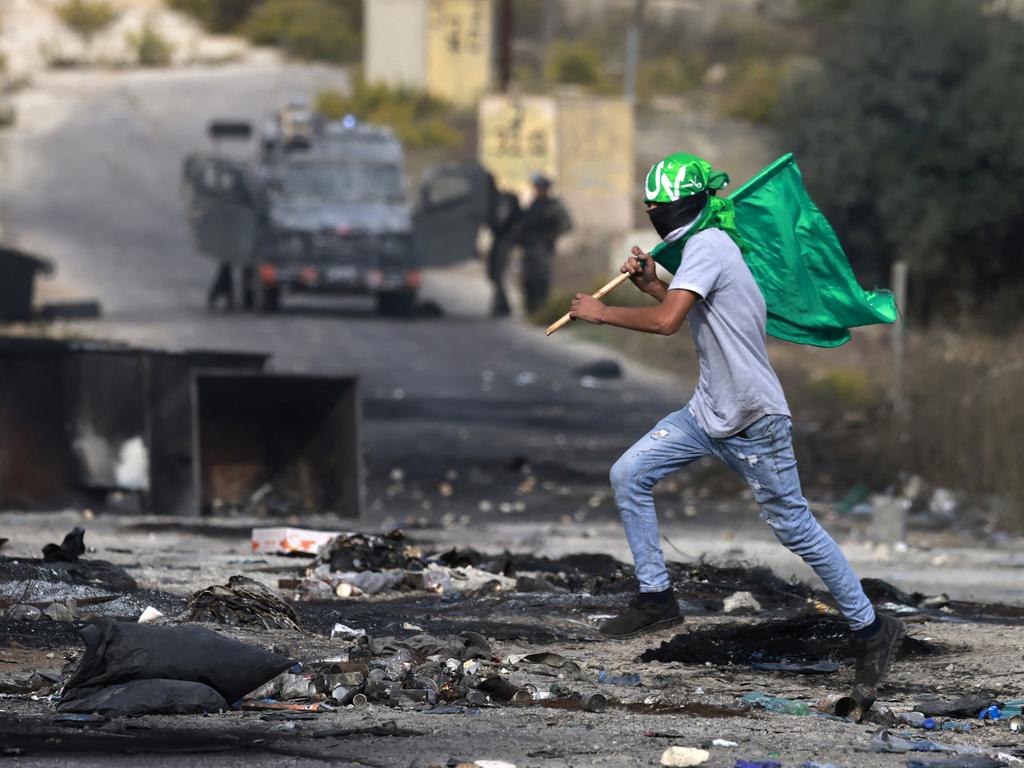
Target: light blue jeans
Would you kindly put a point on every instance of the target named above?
(764, 458)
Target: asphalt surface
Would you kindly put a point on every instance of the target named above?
(91, 181)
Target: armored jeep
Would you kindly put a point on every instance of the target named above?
(324, 209)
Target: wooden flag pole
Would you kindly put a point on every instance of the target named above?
(599, 294)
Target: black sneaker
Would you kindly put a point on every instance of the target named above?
(876, 653)
(647, 612)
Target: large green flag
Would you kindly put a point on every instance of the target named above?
(796, 259)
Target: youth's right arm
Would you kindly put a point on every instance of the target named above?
(641, 269)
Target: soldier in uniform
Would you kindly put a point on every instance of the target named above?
(537, 230)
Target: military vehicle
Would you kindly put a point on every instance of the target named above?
(322, 207)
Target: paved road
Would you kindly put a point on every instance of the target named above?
(90, 179)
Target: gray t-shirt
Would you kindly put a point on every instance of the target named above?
(737, 385)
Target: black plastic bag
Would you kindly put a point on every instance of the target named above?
(118, 653)
(144, 697)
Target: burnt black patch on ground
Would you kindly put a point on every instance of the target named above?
(40, 634)
(805, 639)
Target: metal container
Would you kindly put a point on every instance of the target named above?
(298, 435)
(593, 702)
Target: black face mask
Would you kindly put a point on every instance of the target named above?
(668, 217)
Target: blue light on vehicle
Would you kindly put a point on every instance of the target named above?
(349, 121)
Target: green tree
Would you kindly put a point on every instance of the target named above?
(910, 141)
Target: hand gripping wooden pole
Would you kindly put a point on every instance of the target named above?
(599, 294)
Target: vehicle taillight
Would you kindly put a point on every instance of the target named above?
(308, 275)
(268, 274)
(414, 278)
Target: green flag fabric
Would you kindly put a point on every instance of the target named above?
(795, 257)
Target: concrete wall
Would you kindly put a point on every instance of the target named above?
(445, 47)
(394, 42)
(460, 49)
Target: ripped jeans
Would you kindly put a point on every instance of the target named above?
(764, 458)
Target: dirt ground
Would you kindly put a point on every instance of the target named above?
(694, 703)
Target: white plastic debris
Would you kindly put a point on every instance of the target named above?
(343, 632)
(150, 614)
(493, 764)
(680, 757)
(723, 743)
(741, 602)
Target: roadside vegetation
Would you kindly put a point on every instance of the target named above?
(86, 18)
(151, 48)
(314, 30)
(419, 120)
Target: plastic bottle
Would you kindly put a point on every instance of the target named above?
(917, 720)
(777, 704)
(630, 679)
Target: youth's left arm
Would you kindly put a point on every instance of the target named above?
(665, 318)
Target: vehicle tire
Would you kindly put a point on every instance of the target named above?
(396, 303)
(269, 298)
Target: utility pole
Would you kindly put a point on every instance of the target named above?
(898, 281)
(633, 49)
(504, 45)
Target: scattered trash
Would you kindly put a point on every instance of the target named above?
(965, 706)
(1016, 723)
(64, 612)
(23, 613)
(777, 704)
(741, 602)
(594, 702)
(918, 720)
(69, 550)
(259, 705)
(290, 541)
(883, 741)
(632, 679)
(819, 668)
(558, 665)
(343, 632)
(723, 743)
(852, 707)
(241, 602)
(741, 763)
(684, 756)
(149, 615)
(964, 761)
(363, 551)
(990, 713)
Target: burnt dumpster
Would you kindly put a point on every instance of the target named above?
(80, 419)
(17, 283)
(294, 438)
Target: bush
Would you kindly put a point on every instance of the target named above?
(671, 75)
(417, 119)
(321, 30)
(910, 142)
(574, 63)
(86, 18)
(151, 48)
(216, 15)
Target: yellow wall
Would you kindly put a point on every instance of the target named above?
(595, 165)
(459, 48)
(518, 138)
(585, 144)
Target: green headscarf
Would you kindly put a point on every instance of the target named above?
(682, 175)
